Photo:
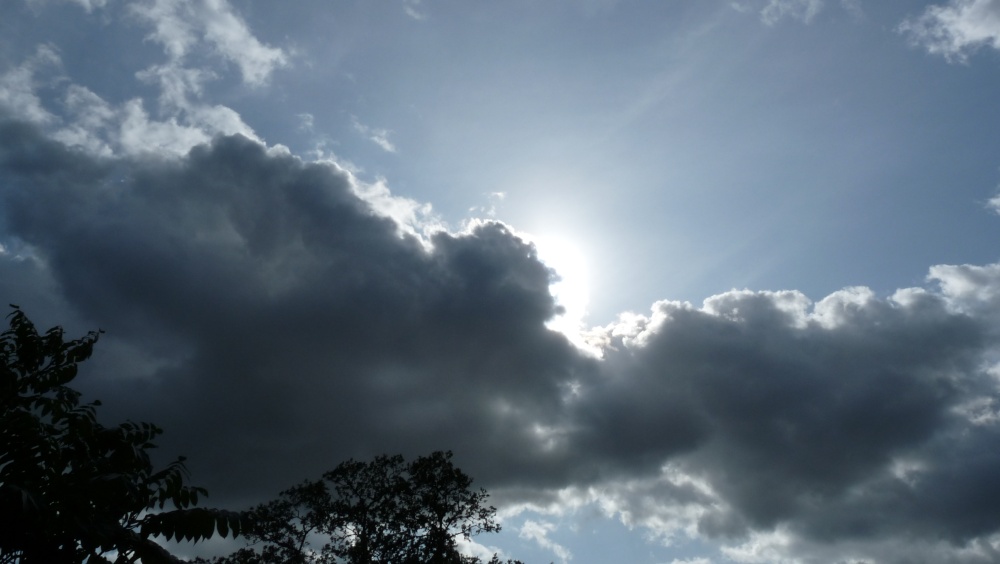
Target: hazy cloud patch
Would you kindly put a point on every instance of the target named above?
(956, 29)
(378, 136)
(802, 10)
(413, 9)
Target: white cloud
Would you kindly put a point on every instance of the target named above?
(182, 121)
(177, 83)
(993, 204)
(91, 5)
(18, 86)
(732, 305)
(180, 25)
(968, 287)
(230, 35)
(494, 199)
(180, 90)
(92, 124)
(853, 7)
(378, 136)
(956, 29)
(539, 532)
(803, 10)
(306, 121)
(412, 217)
(762, 548)
(91, 119)
(129, 130)
(412, 9)
(139, 134)
(668, 505)
(842, 305)
(470, 547)
(88, 5)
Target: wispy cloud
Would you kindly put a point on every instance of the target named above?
(956, 29)
(489, 209)
(803, 10)
(306, 121)
(18, 85)
(854, 8)
(378, 136)
(539, 533)
(88, 5)
(412, 9)
(180, 25)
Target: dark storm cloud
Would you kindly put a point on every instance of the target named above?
(796, 415)
(274, 324)
(290, 321)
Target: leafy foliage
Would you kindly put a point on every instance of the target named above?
(383, 511)
(71, 489)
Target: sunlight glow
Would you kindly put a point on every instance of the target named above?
(571, 290)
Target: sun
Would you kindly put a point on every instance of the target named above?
(571, 289)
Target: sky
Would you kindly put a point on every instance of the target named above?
(678, 282)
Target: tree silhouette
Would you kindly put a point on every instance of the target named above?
(71, 489)
(382, 511)
(444, 507)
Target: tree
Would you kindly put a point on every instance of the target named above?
(444, 507)
(71, 489)
(382, 511)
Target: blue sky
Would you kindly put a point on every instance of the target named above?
(772, 225)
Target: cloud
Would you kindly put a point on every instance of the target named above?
(539, 532)
(185, 30)
(279, 314)
(412, 9)
(88, 5)
(762, 548)
(993, 204)
(489, 209)
(853, 7)
(400, 337)
(18, 85)
(91, 5)
(180, 26)
(91, 123)
(306, 121)
(803, 10)
(283, 315)
(969, 288)
(378, 136)
(956, 29)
